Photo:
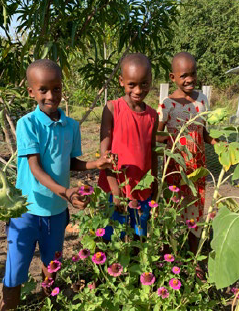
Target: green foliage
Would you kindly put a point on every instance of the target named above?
(209, 30)
(12, 203)
(223, 261)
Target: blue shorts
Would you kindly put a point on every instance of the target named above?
(140, 229)
(22, 235)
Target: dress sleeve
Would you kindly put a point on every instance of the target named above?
(164, 109)
(27, 138)
(76, 149)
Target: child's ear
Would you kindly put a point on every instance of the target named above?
(30, 93)
(171, 76)
(121, 81)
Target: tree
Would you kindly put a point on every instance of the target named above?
(210, 31)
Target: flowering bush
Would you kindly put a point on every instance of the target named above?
(157, 272)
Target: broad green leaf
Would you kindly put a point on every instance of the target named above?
(188, 182)
(215, 133)
(220, 147)
(177, 157)
(236, 173)
(223, 267)
(145, 182)
(224, 159)
(198, 173)
(234, 153)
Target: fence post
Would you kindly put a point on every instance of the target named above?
(207, 89)
(163, 91)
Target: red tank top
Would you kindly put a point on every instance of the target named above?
(131, 140)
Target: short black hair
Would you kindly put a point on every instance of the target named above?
(43, 64)
(135, 59)
(182, 55)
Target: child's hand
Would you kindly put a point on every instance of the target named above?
(104, 162)
(77, 200)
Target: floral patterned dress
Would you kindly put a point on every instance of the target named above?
(172, 113)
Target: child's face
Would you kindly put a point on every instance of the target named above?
(136, 81)
(185, 75)
(46, 87)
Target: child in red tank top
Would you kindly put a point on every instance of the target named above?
(128, 129)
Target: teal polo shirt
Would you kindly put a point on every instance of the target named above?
(56, 142)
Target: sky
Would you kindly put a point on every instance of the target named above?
(14, 24)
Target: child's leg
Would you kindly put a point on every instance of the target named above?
(193, 243)
(139, 223)
(122, 219)
(51, 241)
(10, 298)
(21, 237)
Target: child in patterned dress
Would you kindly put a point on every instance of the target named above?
(184, 103)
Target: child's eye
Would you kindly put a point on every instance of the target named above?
(57, 89)
(145, 84)
(43, 91)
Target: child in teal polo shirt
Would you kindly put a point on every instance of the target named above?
(48, 145)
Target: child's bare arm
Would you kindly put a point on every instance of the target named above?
(208, 139)
(106, 129)
(161, 127)
(154, 160)
(69, 194)
(102, 163)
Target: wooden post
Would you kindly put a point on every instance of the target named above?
(163, 91)
(207, 89)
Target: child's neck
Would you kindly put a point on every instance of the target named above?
(138, 107)
(180, 96)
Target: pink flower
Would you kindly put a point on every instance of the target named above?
(47, 282)
(115, 269)
(147, 278)
(134, 204)
(100, 232)
(91, 286)
(235, 291)
(174, 188)
(163, 292)
(168, 257)
(176, 270)
(175, 283)
(86, 190)
(84, 253)
(58, 255)
(175, 199)
(212, 214)
(191, 223)
(152, 203)
(54, 266)
(55, 291)
(75, 258)
(99, 258)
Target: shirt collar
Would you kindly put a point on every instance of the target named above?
(43, 118)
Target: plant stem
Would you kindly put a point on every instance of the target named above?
(205, 232)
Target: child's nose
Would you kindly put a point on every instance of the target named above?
(138, 90)
(50, 95)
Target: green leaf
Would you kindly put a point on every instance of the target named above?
(234, 153)
(145, 182)
(188, 182)
(177, 157)
(236, 173)
(162, 133)
(198, 173)
(135, 269)
(215, 133)
(223, 262)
